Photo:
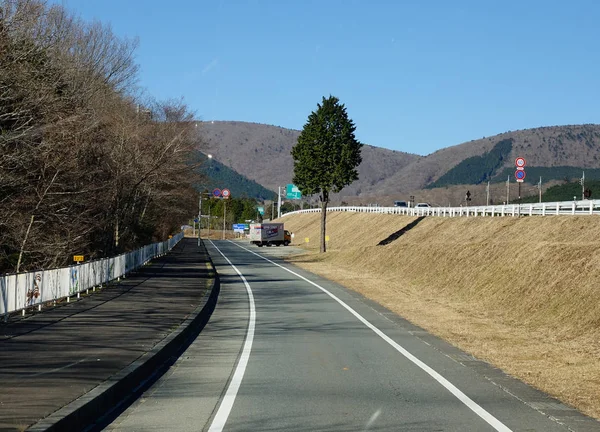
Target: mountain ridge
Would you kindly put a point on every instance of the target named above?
(261, 152)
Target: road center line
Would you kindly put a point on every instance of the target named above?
(222, 414)
(472, 405)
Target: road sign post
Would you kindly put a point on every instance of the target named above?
(224, 215)
(292, 192)
(520, 175)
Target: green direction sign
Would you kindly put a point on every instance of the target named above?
(292, 192)
(261, 210)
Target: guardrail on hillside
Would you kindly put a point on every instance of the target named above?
(586, 207)
(21, 291)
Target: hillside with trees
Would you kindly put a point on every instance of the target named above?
(565, 192)
(476, 169)
(216, 175)
(86, 165)
(262, 153)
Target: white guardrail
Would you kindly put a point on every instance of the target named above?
(32, 289)
(585, 207)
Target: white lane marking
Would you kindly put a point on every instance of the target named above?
(374, 417)
(222, 414)
(57, 369)
(472, 405)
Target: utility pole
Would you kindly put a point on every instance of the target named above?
(540, 188)
(199, 216)
(507, 189)
(582, 181)
(487, 191)
(279, 203)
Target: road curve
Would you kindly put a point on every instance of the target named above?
(286, 350)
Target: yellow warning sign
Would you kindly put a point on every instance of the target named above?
(306, 240)
(78, 258)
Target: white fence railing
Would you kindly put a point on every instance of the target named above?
(586, 207)
(32, 289)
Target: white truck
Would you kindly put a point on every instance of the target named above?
(269, 234)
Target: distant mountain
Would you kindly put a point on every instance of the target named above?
(222, 177)
(262, 153)
(564, 150)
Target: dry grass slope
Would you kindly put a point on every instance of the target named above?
(520, 293)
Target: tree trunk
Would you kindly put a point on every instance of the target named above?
(117, 234)
(324, 201)
(37, 206)
(23, 244)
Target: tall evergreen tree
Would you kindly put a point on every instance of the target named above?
(326, 155)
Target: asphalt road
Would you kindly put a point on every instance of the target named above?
(286, 350)
(51, 358)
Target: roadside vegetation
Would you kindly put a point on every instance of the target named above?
(89, 164)
(327, 155)
(565, 192)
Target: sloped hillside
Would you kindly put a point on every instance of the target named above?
(557, 146)
(263, 154)
(217, 175)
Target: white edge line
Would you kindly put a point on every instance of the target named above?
(472, 405)
(224, 410)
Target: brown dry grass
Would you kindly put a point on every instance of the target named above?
(522, 294)
(214, 234)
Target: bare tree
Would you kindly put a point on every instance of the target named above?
(84, 166)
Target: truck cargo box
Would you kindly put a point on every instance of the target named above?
(269, 234)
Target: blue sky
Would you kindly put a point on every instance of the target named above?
(415, 76)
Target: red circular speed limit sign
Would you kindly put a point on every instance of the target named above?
(520, 162)
(225, 193)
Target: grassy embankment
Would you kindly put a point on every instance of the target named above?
(522, 294)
